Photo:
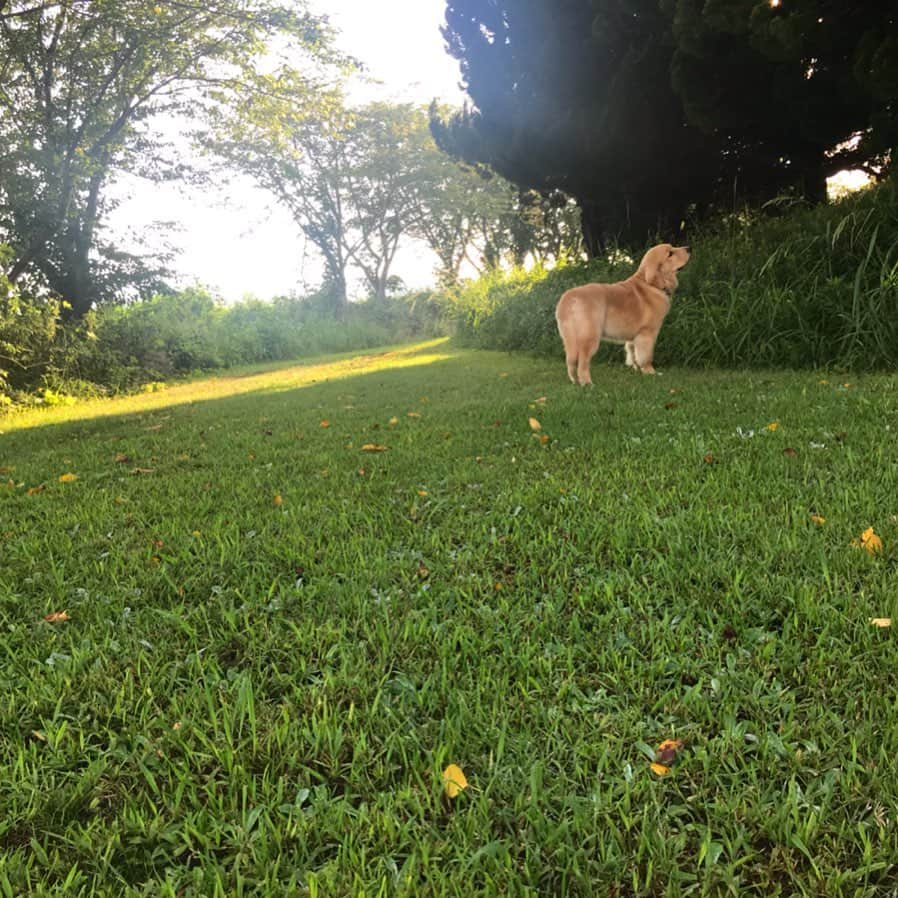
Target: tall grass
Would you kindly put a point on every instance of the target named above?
(801, 287)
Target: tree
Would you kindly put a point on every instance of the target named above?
(803, 88)
(83, 85)
(638, 108)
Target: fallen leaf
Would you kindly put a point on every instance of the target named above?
(773, 425)
(544, 439)
(324, 424)
(278, 500)
(660, 769)
(373, 447)
(143, 470)
(870, 541)
(67, 478)
(154, 427)
(540, 400)
(534, 424)
(176, 725)
(667, 751)
(39, 735)
(412, 415)
(422, 492)
(423, 572)
(393, 421)
(818, 518)
(823, 382)
(670, 405)
(709, 458)
(122, 459)
(789, 452)
(882, 622)
(454, 780)
(57, 617)
(6, 469)
(33, 490)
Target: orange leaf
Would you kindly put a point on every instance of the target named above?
(278, 500)
(544, 439)
(67, 478)
(33, 490)
(870, 541)
(534, 424)
(57, 617)
(373, 447)
(454, 780)
(325, 424)
(667, 751)
(818, 518)
(660, 770)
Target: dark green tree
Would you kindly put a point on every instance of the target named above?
(799, 89)
(646, 111)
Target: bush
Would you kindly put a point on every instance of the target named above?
(122, 347)
(805, 287)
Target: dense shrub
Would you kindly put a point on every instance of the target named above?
(120, 347)
(802, 287)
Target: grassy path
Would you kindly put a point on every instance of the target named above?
(276, 640)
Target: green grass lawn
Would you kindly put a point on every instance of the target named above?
(256, 695)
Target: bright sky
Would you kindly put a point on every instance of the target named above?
(236, 240)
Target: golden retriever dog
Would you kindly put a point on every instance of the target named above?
(629, 312)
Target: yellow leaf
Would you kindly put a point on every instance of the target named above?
(818, 519)
(39, 735)
(413, 414)
(422, 492)
(881, 622)
(773, 425)
(393, 421)
(67, 478)
(278, 500)
(534, 424)
(870, 541)
(454, 780)
(660, 769)
(157, 10)
(57, 617)
(196, 533)
(373, 447)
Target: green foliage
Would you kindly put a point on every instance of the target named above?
(81, 85)
(808, 287)
(123, 347)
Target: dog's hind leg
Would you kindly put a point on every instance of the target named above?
(586, 349)
(571, 359)
(631, 354)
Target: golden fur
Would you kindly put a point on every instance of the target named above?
(628, 312)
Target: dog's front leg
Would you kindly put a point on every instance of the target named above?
(631, 354)
(644, 350)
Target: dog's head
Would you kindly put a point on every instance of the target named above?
(661, 263)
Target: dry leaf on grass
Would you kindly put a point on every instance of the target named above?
(34, 490)
(122, 459)
(278, 500)
(534, 424)
(773, 425)
(57, 617)
(373, 447)
(412, 414)
(67, 478)
(454, 780)
(668, 750)
(818, 518)
(869, 541)
(881, 622)
(324, 424)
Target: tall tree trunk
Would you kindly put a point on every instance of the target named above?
(593, 228)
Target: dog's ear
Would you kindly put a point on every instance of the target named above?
(650, 268)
